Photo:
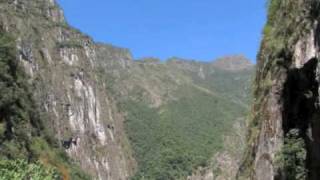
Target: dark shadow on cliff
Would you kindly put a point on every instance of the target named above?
(301, 112)
(300, 95)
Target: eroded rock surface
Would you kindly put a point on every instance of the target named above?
(286, 95)
(62, 65)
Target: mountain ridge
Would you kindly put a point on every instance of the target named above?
(116, 117)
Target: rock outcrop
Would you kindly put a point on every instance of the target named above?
(62, 64)
(286, 96)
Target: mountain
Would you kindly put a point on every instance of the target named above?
(283, 140)
(88, 110)
(233, 63)
(177, 112)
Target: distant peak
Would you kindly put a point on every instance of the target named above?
(151, 60)
(233, 63)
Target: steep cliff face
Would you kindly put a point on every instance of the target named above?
(62, 64)
(284, 129)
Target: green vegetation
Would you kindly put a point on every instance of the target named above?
(273, 6)
(23, 134)
(292, 158)
(20, 169)
(175, 119)
(233, 85)
(19, 120)
(174, 139)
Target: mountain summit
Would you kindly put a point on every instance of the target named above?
(233, 63)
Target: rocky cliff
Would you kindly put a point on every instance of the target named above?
(62, 63)
(118, 118)
(284, 129)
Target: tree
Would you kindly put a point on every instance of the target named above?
(291, 160)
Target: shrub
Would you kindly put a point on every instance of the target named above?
(291, 160)
(20, 169)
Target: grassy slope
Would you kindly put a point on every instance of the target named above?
(187, 129)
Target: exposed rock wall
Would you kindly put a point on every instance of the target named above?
(286, 94)
(62, 64)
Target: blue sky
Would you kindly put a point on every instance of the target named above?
(192, 29)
